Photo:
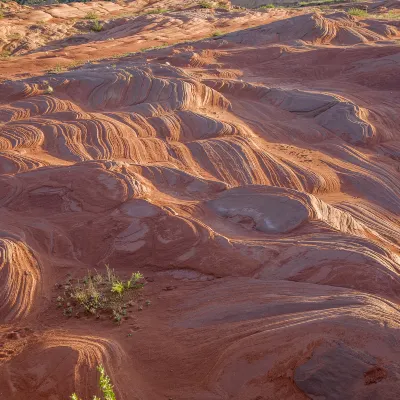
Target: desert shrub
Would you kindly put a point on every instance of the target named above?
(14, 36)
(358, 12)
(57, 69)
(49, 90)
(267, 6)
(97, 294)
(392, 14)
(118, 287)
(310, 3)
(75, 64)
(5, 54)
(217, 33)
(157, 11)
(105, 386)
(133, 281)
(96, 26)
(91, 15)
(206, 4)
(223, 5)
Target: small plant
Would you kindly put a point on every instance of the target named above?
(105, 386)
(96, 26)
(133, 282)
(357, 12)
(14, 36)
(267, 6)
(157, 11)
(217, 33)
(206, 4)
(49, 90)
(223, 5)
(118, 287)
(68, 311)
(388, 15)
(97, 294)
(88, 296)
(117, 317)
(311, 3)
(1, 14)
(161, 46)
(110, 274)
(60, 301)
(392, 15)
(5, 54)
(91, 15)
(124, 55)
(57, 69)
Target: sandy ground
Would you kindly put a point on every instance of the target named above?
(246, 162)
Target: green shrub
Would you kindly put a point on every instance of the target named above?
(75, 64)
(157, 11)
(392, 14)
(57, 69)
(97, 26)
(206, 4)
(5, 54)
(100, 294)
(217, 33)
(118, 287)
(267, 6)
(91, 15)
(223, 5)
(49, 90)
(388, 15)
(310, 3)
(357, 12)
(105, 385)
(135, 278)
(14, 36)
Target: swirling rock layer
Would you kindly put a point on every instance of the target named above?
(252, 176)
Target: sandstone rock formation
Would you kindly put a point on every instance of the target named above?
(245, 161)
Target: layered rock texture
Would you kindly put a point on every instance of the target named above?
(246, 162)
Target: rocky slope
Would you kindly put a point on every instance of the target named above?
(248, 167)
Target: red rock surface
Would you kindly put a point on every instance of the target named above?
(249, 169)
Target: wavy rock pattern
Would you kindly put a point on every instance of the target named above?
(20, 276)
(64, 355)
(253, 177)
(289, 317)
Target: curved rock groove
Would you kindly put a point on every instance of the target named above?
(20, 278)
